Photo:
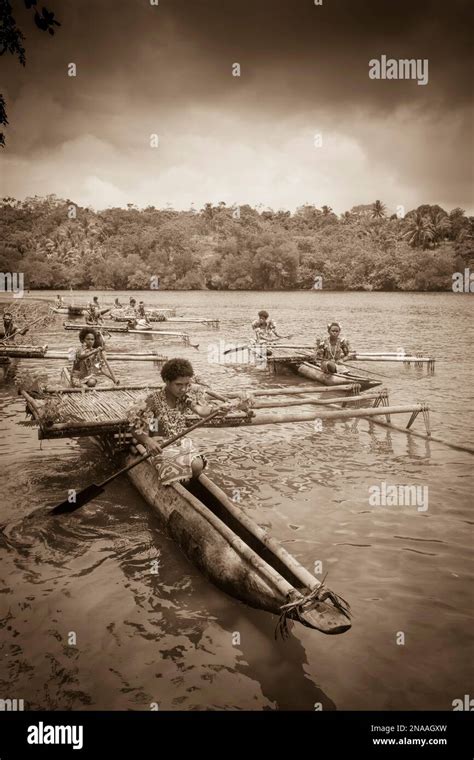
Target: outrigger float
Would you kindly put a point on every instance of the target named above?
(131, 331)
(120, 316)
(44, 352)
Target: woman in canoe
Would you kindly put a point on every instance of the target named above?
(89, 361)
(164, 413)
(9, 326)
(332, 351)
(93, 316)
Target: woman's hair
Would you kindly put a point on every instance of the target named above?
(175, 368)
(85, 331)
(334, 324)
(132, 300)
(263, 314)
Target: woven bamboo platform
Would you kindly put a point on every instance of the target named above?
(103, 411)
(76, 412)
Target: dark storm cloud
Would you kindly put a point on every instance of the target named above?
(284, 46)
(167, 68)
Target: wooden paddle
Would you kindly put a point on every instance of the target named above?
(366, 371)
(91, 492)
(265, 343)
(108, 367)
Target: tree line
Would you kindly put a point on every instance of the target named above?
(59, 244)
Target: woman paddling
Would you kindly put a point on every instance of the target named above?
(332, 351)
(9, 327)
(163, 413)
(89, 360)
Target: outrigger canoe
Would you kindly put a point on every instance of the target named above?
(115, 328)
(74, 311)
(120, 316)
(219, 537)
(233, 552)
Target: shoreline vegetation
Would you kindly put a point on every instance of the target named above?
(60, 245)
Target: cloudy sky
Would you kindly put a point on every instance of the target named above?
(166, 69)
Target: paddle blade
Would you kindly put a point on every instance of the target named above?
(83, 497)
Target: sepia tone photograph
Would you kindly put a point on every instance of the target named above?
(237, 268)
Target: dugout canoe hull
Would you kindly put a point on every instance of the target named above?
(219, 543)
(312, 372)
(315, 373)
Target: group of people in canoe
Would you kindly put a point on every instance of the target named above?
(331, 351)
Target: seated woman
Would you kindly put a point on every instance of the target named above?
(88, 360)
(93, 315)
(163, 413)
(59, 302)
(264, 328)
(9, 327)
(141, 313)
(117, 304)
(332, 351)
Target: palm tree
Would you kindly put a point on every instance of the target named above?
(458, 222)
(420, 231)
(378, 210)
(441, 226)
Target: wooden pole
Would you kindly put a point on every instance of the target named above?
(318, 401)
(342, 414)
(417, 359)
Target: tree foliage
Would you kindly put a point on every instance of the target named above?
(220, 249)
(12, 38)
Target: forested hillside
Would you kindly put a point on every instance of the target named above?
(57, 244)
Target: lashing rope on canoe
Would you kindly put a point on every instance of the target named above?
(382, 400)
(426, 418)
(293, 610)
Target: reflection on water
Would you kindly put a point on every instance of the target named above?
(149, 628)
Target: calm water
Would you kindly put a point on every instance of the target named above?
(168, 638)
